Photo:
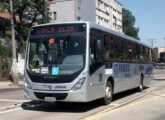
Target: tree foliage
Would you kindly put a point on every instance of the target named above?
(5, 48)
(37, 9)
(128, 24)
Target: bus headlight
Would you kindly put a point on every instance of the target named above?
(26, 84)
(79, 84)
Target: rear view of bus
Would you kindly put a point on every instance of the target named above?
(55, 67)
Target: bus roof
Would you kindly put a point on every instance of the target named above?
(96, 26)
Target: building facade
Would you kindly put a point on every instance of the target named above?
(107, 13)
(157, 52)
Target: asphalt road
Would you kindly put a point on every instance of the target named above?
(28, 110)
(149, 107)
(11, 96)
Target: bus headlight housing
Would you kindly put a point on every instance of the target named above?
(26, 84)
(79, 84)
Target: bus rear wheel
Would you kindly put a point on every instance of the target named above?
(108, 94)
(141, 86)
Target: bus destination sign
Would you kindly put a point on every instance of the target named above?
(51, 29)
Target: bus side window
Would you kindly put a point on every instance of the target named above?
(119, 49)
(92, 49)
(112, 51)
(129, 52)
(134, 53)
(109, 48)
(141, 54)
(125, 45)
(145, 54)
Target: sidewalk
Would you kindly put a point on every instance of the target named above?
(11, 95)
(10, 85)
(159, 74)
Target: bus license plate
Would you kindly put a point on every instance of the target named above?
(50, 99)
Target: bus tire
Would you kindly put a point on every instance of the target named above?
(141, 85)
(108, 94)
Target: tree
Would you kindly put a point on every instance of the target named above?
(35, 9)
(128, 24)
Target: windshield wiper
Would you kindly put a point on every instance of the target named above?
(44, 48)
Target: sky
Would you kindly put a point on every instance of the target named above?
(150, 18)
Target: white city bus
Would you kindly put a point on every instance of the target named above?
(82, 62)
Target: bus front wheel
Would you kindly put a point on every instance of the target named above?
(108, 94)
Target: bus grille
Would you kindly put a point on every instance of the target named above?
(58, 96)
(50, 80)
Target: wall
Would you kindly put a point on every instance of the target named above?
(86, 10)
(65, 10)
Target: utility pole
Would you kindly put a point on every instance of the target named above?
(13, 72)
(152, 41)
(13, 31)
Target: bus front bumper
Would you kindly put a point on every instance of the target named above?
(65, 96)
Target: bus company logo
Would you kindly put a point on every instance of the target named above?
(60, 86)
(141, 67)
(49, 87)
(116, 68)
(124, 68)
(121, 68)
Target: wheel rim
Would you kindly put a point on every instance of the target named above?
(141, 84)
(108, 92)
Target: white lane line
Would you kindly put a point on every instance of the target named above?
(114, 104)
(9, 107)
(10, 100)
(16, 109)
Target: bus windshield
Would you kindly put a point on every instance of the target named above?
(62, 55)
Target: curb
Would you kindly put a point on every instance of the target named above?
(10, 89)
(159, 79)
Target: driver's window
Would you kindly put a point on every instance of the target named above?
(96, 52)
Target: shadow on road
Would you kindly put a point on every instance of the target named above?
(71, 107)
(60, 106)
(126, 93)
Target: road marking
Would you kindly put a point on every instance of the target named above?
(16, 109)
(114, 104)
(10, 100)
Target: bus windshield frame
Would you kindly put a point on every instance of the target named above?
(56, 53)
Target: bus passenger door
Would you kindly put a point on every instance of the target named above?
(96, 68)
